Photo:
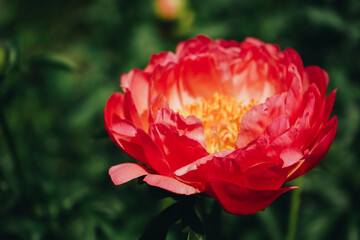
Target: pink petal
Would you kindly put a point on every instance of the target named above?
(170, 184)
(125, 172)
(290, 156)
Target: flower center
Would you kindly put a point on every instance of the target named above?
(221, 116)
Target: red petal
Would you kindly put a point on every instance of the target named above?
(240, 200)
(153, 154)
(179, 150)
(124, 134)
(130, 110)
(125, 172)
(294, 58)
(170, 184)
(265, 176)
(319, 150)
(195, 167)
(248, 167)
(278, 127)
(318, 76)
(127, 136)
(294, 100)
(114, 109)
(121, 131)
(329, 103)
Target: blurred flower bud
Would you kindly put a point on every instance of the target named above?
(169, 9)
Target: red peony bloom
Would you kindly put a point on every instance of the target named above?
(233, 120)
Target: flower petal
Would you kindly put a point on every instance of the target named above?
(160, 60)
(191, 126)
(137, 82)
(179, 150)
(319, 150)
(314, 74)
(278, 127)
(154, 156)
(202, 76)
(170, 184)
(241, 200)
(114, 109)
(130, 110)
(290, 156)
(125, 172)
(255, 121)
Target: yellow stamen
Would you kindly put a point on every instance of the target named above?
(221, 116)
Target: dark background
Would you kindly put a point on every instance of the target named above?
(60, 60)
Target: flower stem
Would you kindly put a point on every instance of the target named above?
(294, 210)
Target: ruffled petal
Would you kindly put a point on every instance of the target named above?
(255, 121)
(191, 126)
(160, 60)
(179, 150)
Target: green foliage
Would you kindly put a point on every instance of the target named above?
(60, 60)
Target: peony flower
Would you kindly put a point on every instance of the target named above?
(233, 120)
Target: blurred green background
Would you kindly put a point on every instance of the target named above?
(60, 60)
